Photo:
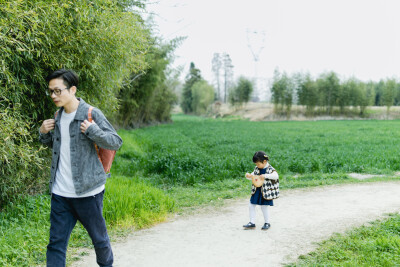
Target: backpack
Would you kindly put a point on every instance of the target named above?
(106, 156)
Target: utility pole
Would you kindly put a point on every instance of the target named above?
(256, 43)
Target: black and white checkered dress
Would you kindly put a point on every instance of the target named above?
(257, 197)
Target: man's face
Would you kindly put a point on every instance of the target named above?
(65, 96)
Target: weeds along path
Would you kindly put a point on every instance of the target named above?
(214, 236)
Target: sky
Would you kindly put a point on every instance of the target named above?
(354, 38)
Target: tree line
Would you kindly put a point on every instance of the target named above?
(198, 94)
(123, 69)
(328, 94)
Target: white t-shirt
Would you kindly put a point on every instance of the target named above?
(64, 185)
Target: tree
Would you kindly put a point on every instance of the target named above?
(216, 68)
(358, 94)
(350, 94)
(379, 92)
(366, 97)
(307, 93)
(343, 96)
(241, 92)
(288, 95)
(389, 93)
(282, 92)
(203, 96)
(329, 86)
(228, 73)
(277, 91)
(397, 98)
(187, 98)
(146, 98)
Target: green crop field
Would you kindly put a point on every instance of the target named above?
(194, 161)
(195, 150)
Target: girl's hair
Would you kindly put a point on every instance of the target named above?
(260, 156)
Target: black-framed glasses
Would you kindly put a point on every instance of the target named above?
(55, 91)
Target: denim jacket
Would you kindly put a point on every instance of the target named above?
(87, 170)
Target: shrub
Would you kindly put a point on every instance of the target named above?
(99, 39)
(203, 96)
(241, 92)
(21, 165)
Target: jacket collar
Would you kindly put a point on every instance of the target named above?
(81, 112)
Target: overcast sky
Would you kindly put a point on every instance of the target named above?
(358, 38)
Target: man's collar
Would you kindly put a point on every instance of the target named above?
(81, 112)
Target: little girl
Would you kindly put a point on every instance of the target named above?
(265, 171)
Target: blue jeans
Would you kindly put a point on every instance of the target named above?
(64, 214)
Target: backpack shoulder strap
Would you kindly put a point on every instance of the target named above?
(90, 114)
(90, 119)
(56, 114)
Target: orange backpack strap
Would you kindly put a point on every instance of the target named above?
(55, 114)
(90, 119)
(90, 114)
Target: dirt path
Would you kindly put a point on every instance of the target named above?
(299, 219)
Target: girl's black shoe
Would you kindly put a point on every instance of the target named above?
(266, 226)
(249, 226)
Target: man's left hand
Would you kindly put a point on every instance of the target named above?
(85, 125)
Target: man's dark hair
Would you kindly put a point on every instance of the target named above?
(69, 77)
(260, 156)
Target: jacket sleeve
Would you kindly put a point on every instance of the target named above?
(271, 173)
(272, 176)
(102, 132)
(46, 139)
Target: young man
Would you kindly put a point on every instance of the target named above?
(77, 175)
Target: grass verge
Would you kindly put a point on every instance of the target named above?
(374, 245)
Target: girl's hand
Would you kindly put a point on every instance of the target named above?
(248, 175)
(257, 180)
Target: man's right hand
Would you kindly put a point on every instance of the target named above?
(47, 126)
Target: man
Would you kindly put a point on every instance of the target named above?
(77, 175)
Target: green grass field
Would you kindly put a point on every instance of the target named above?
(195, 161)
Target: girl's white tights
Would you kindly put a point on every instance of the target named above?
(252, 211)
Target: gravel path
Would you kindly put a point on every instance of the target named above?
(215, 237)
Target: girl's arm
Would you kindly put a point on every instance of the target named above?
(249, 175)
(271, 176)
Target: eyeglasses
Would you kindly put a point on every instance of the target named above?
(55, 91)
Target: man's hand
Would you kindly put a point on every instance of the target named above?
(85, 125)
(47, 126)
